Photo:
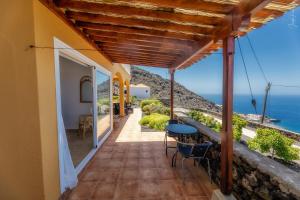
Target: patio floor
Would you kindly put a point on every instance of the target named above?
(132, 165)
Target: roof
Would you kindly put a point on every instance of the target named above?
(164, 33)
(139, 85)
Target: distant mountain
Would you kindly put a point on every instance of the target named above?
(160, 89)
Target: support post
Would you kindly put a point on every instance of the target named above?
(172, 72)
(226, 135)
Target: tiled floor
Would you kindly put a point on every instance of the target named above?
(132, 165)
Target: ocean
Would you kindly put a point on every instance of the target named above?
(286, 108)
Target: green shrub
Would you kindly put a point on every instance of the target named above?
(273, 142)
(238, 125)
(206, 120)
(156, 121)
(148, 102)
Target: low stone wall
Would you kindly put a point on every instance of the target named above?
(255, 176)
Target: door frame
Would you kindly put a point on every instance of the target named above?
(64, 50)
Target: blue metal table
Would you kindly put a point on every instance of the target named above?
(181, 129)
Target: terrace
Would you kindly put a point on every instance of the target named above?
(132, 165)
(171, 34)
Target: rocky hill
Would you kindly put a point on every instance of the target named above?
(160, 89)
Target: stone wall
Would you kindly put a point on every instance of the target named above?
(255, 176)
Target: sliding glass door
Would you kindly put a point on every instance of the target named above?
(103, 104)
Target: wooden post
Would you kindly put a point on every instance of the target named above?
(172, 72)
(226, 135)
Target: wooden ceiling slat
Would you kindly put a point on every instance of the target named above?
(139, 31)
(149, 57)
(140, 62)
(124, 43)
(139, 37)
(230, 22)
(157, 25)
(133, 12)
(187, 4)
(164, 33)
(133, 46)
(111, 52)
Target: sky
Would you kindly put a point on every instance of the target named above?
(277, 46)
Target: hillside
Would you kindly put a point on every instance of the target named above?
(160, 89)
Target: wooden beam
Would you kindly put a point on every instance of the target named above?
(133, 12)
(232, 22)
(202, 50)
(52, 7)
(142, 63)
(172, 73)
(124, 41)
(112, 52)
(201, 5)
(226, 135)
(152, 58)
(133, 47)
(140, 44)
(139, 31)
(230, 26)
(147, 38)
(156, 25)
(139, 51)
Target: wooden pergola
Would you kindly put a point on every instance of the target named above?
(172, 34)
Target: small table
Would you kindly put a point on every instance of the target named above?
(181, 130)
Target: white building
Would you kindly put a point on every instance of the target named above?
(141, 91)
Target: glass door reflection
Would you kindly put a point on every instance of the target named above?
(103, 104)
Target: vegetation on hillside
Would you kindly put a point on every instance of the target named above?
(274, 143)
(238, 123)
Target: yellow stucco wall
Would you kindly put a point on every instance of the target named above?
(20, 147)
(29, 166)
(47, 25)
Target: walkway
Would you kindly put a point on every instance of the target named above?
(132, 165)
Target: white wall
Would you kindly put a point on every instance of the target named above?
(71, 73)
(140, 92)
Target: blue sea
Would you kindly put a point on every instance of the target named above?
(286, 108)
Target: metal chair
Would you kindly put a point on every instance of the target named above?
(197, 152)
(169, 134)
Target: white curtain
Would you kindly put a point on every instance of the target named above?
(69, 175)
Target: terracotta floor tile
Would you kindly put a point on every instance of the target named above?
(132, 163)
(104, 191)
(196, 198)
(147, 163)
(84, 190)
(192, 188)
(109, 175)
(90, 176)
(149, 173)
(133, 155)
(116, 163)
(104, 155)
(166, 173)
(149, 189)
(129, 174)
(127, 189)
(146, 155)
(170, 189)
(118, 155)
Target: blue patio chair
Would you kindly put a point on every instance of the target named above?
(197, 152)
(169, 134)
